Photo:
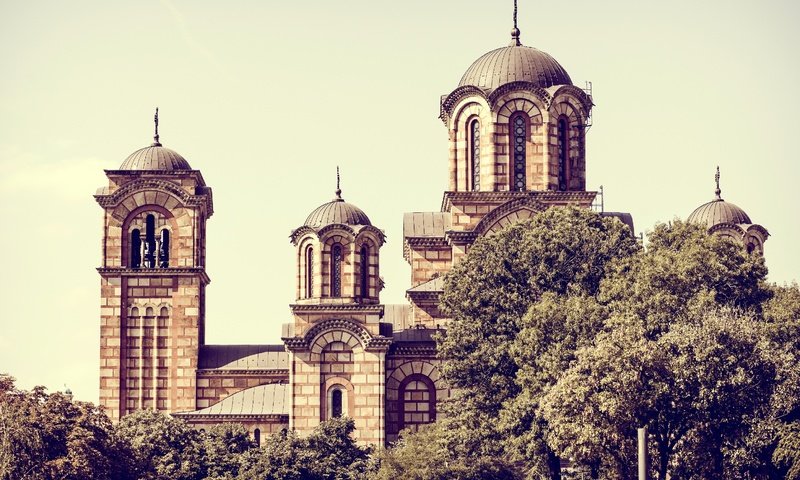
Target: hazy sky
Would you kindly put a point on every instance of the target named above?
(266, 97)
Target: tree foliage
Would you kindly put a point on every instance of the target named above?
(566, 337)
(328, 453)
(564, 251)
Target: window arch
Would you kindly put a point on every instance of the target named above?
(336, 271)
(309, 272)
(150, 241)
(364, 273)
(417, 401)
(518, 129)
(163, 249)
(337, 402)
(563, 154)
(475, 155)
(136, 248)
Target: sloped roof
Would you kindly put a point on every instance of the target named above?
(432, 285)
(425, 224)
(398, 315)
(243, 357)
(270, 399)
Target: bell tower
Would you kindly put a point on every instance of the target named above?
(337, 343)
(152, 281)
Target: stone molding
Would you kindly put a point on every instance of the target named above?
(186, 199)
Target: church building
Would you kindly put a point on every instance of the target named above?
(517, 127)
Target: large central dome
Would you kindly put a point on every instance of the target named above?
(515, 63)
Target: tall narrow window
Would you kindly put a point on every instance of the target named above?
(150, 242)
(475, 155)
(163, 249)
(136, 248)
(257, 437)
(519, 136)
(336, 403)
(336, 271)
(309, 278)
(563, 153)
(364, 274)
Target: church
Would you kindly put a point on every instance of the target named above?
(517, 128)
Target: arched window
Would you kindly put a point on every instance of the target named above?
(163, 249)
(257, 437)
(519, 136)
(475, 155)
(563, 154)
(364, 274)
(417, 401)
(136, 248)
(309, 272)
(336, 403)
(150, 242)
(336, 271)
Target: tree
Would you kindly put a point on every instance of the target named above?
(328, 453)
(165, 448)
(560, 250)
(427, 455)
(48, 436)
(224, 446)
(697, 388)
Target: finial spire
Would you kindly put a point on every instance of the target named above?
(156, 143)
(717, 192)
(338, 190)
(515, 31)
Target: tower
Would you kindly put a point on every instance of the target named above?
(153, 281)
(337, 343)
(727, 220)
(517, 144)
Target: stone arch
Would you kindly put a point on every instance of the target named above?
(405, 370)
(172, 220)
(342, 330)
(460, 143)
(452, 102)
(326, 390)
(508, 213)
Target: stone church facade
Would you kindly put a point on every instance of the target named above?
(517, 128)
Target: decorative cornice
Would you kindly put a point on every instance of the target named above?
(460, 237)
(424, 297)
(202, 197)
(412, 350)
(230, 417)
(410, 243)
(449, 102)
(155, 272)
(545, 97)
(347, 307)
(352, 230)
(216, 372)
(499, 197)
(579, 94)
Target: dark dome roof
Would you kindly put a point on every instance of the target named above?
(337, 211)
(718, 211)
(155, 157)
(515, 63)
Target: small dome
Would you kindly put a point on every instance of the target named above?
(515, 63)
(155, 157)
(719, 211)
(337, 211)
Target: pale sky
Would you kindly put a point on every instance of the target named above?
(266, 97)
